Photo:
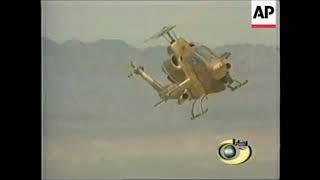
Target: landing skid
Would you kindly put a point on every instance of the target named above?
(239, 84)
(203, 111)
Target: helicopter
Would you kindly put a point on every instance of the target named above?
(194, 72)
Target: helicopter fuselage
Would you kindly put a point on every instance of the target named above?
(207, 71)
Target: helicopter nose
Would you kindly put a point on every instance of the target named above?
(217, 66)
(220, 69)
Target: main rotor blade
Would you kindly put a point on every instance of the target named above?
(163, 31)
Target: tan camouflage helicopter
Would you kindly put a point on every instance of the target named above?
(193, 70)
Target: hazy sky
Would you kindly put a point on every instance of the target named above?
(215, 23)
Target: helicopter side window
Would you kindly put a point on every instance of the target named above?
(202, 55)
(197, 61)
(205, 53)
(194, 60)
(209, 51)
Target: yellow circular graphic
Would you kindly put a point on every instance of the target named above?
(234, 151)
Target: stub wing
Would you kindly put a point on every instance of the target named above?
(175, 90)
(152, 82)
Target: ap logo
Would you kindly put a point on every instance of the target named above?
(263, 13)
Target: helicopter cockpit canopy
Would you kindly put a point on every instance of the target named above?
(205, 53)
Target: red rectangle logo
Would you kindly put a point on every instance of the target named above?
(263, 25)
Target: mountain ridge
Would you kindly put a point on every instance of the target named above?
(122, 42)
